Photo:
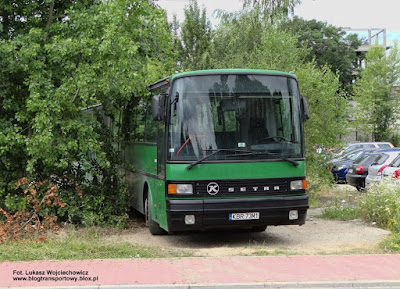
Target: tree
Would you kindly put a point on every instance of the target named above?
(236, 37)
(76, 54)
(327, 45)
(273, 10)
(377, 109)
(19, 16)
(195, 38)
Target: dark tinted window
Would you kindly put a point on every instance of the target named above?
(380, 159)
(370, 159)
(362, 158)
(353, 155)
(395, 162)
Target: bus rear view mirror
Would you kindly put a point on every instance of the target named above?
(158, 107)
(304, 108)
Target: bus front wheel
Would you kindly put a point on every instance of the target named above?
(154, 227)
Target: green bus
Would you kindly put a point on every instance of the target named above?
(219, 148)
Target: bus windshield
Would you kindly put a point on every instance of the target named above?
(234, 117)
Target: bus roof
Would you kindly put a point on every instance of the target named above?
(230, 70)
(165, 81)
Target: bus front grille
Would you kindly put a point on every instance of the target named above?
(251, 187)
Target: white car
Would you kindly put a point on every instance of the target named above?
(392, 171)
(363, 145)
(375, 170)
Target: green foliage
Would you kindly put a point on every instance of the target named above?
(240, 41)
(395, 139)
(327, 45)
(327, 109)
(343, 213)
(52, 67)
(382, 205)
(327, 106)
(235, 38)
(377, 111)
(273, 10)
(195, 38)
(391, 243)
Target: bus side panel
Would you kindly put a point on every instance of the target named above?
(143, 157)
(136, 183)
(139, 159)
(159, 209)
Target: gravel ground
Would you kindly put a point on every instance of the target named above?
(317, 236)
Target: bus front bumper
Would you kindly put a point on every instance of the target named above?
(215, 213)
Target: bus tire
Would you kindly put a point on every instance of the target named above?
(259, 228)
(154, 227)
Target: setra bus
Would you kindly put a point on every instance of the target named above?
(218, 148)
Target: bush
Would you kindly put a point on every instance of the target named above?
(391, 243)
(381, 204)
(34, 212)
(319, 178)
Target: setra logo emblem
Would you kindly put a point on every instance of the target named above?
(213, 188)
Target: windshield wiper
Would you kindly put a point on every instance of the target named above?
(242, 153)
(250, 153)
(214, 152)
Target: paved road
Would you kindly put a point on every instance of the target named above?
(353, 271)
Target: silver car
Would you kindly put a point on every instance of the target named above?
(363, 145)
(392, 171)
(375, 170)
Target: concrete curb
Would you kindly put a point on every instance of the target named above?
(268, 285)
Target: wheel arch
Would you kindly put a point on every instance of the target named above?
(145, 192)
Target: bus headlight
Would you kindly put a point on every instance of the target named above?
(298, 185)
(180, 189)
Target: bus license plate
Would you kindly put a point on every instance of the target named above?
(244, 216)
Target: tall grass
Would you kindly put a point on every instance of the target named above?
(381, 204)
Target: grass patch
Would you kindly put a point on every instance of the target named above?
(346, 213)
(339, 202)
(78, 245)
(391, 244)
(380, 204)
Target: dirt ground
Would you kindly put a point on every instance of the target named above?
(318, 236)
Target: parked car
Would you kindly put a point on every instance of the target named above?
(340, 166)
(364, 145)
(391, 172)
(376, 168)
(358, 170)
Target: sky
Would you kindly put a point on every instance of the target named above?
(356, 14)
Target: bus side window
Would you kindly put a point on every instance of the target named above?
(133, 120)
(150, 133)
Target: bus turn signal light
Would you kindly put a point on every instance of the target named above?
(180, 189)
(305, 185)
(172, 189)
